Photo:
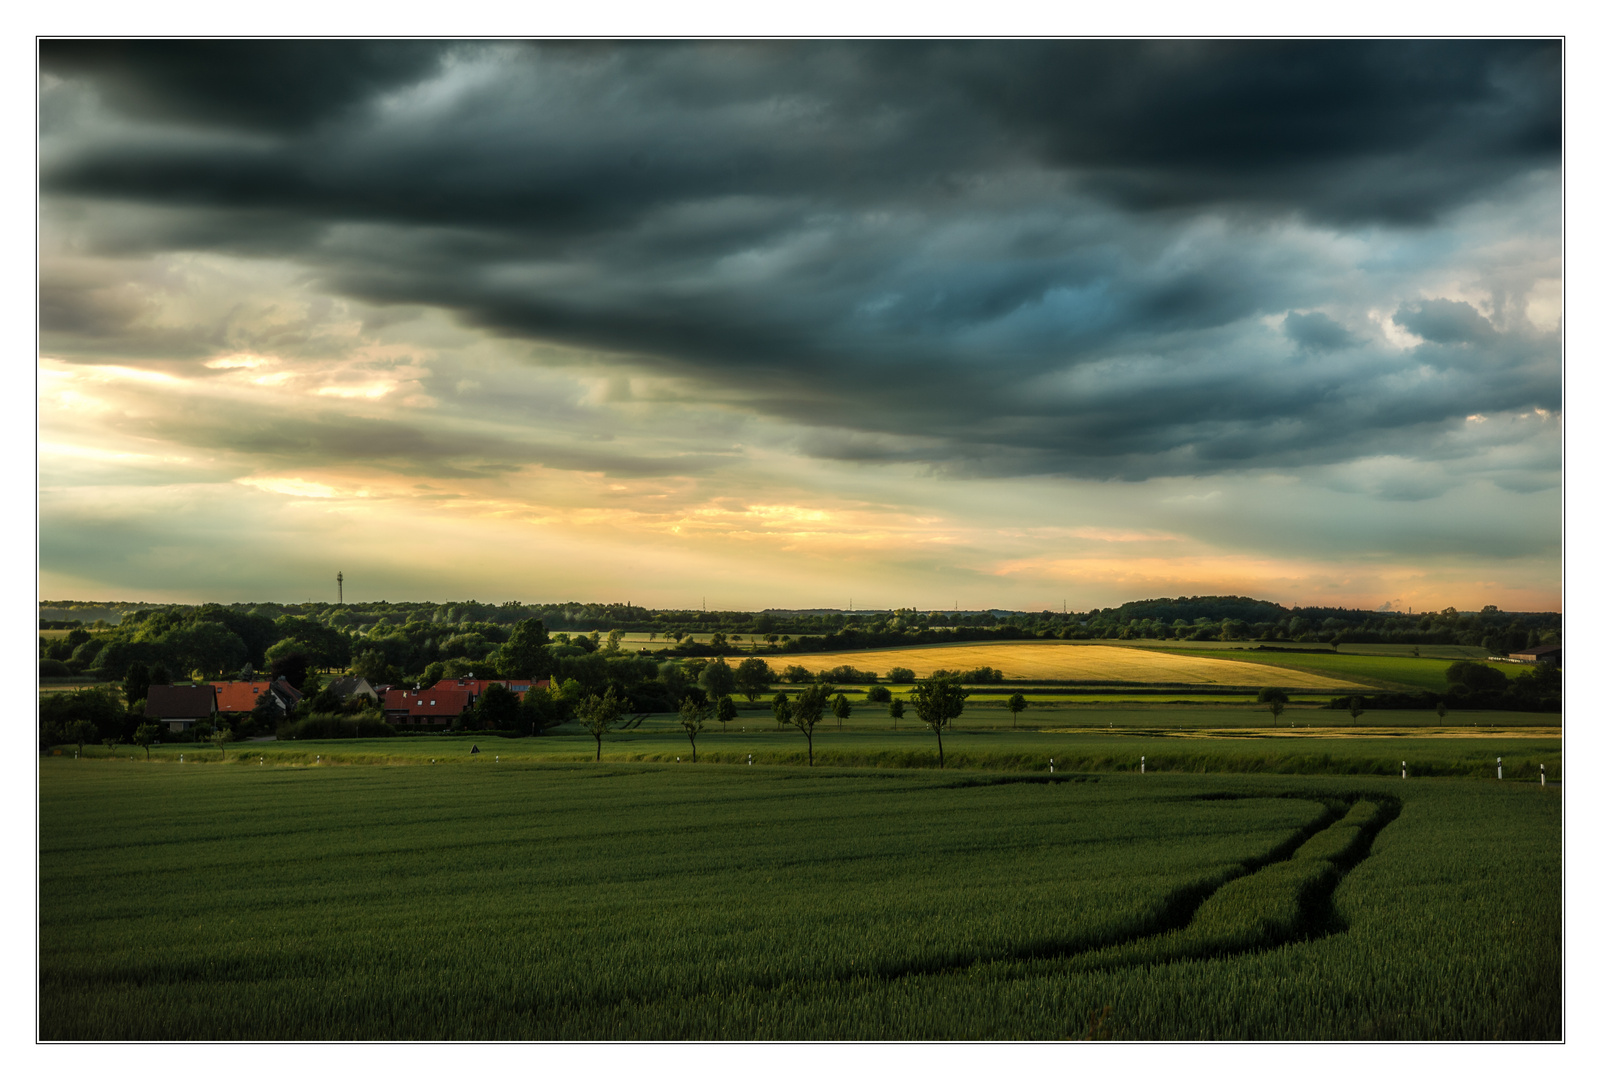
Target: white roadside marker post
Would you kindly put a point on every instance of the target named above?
(1498, 768)
(1053, 765)
(1142, 764)
(1542, 774)
(1403, 770)
(750, 759)
(180, 758)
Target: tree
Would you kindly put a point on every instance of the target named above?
(1017, 703)
(781, 708)
(136, 684)
(1475, 678)
(897, 709)
(1356, 706)
(371, 665)
(901, 675)
(1440, 710)
(597, 714)
(878, 694)
(291, 665)
(807, 711)
(144, 735)
(220, 735)
(82, 731)
(754, 678)
(938, 702)
(726, 712)
(1275, 700)
(718, 679)
(160, 676)
(842, 709)
(497, 708)
(692, 715)
(539, 711)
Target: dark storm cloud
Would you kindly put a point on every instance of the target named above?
(1006, 257)
(329, 438)
(1447, 322)
(1316, 331)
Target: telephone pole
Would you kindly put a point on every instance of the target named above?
(341, 580)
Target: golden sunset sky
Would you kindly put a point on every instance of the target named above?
(801, 324)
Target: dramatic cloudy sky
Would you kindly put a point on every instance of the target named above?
(1007, 324)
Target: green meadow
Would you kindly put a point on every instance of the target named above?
(629, 900)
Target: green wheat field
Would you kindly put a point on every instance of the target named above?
(538, 899)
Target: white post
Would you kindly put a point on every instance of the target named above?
(180, 758)
(1498, 768)
(1403, 770)
(1142, 764)
(749, 759)
(1053, 765)
(1542, 774)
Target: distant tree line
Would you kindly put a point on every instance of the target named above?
(422, 642)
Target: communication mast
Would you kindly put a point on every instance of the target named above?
(341, 580)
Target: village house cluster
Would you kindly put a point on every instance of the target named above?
(437, 706)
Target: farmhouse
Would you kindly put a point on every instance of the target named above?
(179, 707)
(436, 707)
(1540, 654)
(235, 698)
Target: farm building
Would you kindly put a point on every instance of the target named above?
(1540, 654)
(180, 707)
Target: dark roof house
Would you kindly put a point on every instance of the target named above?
(179, 707)
(1540, 654)
(353, 686)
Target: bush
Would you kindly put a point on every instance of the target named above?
(878, 693)
(332, 726)
(54, 669)
(902, 675)
(847, 674)
(1475, 678)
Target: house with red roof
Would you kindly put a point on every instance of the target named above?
(474, 687)
(240, 696)
(435, 707)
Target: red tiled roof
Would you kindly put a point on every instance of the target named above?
(476, 686)
(435, 702)
(239, 697)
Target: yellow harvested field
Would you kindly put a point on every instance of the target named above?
(1048, 660)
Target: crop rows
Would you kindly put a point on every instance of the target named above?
(652, 902)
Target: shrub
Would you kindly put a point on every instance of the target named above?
(901, 675)
(878, 693)
(332, 726)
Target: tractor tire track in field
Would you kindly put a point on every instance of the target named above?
(1280, 898)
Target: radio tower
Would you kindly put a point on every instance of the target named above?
(341, 580)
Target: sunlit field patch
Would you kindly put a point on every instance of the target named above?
(1064, 660)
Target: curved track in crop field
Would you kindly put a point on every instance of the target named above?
(1282, 897)
(1286, 897)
